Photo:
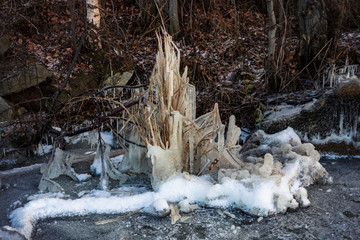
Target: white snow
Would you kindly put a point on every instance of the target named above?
(25, 217)
(117, 159)
(83, 177)
(43, 149)
(285, 111)
(332, 138)
(286, 136)
(253, 195)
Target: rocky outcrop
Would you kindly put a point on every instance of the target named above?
(351, 90)
(31, 75)
(332, 118)
(118, 78)
(6, 113)
(5, 42)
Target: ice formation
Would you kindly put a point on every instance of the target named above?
(338, 75)
(345, 126)
(265, 176)
(175, 139)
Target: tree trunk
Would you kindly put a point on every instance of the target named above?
(93, 18)
(336, 11)
(147, 11)
(273, 83)
(174, 17)
(313, 32)
(165, 8)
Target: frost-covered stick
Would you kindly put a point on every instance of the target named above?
(20, 171)
(204, 167)
(103, 177)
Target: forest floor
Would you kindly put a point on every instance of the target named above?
(334, 213)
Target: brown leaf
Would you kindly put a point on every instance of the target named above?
(54, 20)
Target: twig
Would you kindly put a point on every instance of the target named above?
(121, 86)
(305, 66)
(123, 138)
(20, 171)
(96, 125)
(121, 32)
(63, 85)
(37, 30)
(121, 191)
(116, 219)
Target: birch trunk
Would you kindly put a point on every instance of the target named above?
(270, 65)
(93, 18)
(272, 31)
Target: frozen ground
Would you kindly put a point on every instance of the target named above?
(334, 213)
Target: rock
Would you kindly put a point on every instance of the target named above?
(349, 90)
(6, 113)
(83, 83)
(29, 76)
(332, 117)
(5, 42)
(119, 78)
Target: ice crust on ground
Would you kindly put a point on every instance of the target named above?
(257, 194)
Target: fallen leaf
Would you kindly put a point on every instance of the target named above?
(175, 213)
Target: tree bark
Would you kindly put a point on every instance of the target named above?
(93, 18)
(147, 11)
(313, 31)
(174, 17)
(273, 83)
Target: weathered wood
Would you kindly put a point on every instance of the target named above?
(174, 17)
(20, 171)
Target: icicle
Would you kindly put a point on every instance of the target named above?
(204, 167)
(105, 157)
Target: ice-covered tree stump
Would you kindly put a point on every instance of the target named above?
(267, 175)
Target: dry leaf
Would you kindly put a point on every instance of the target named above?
(175, 213)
